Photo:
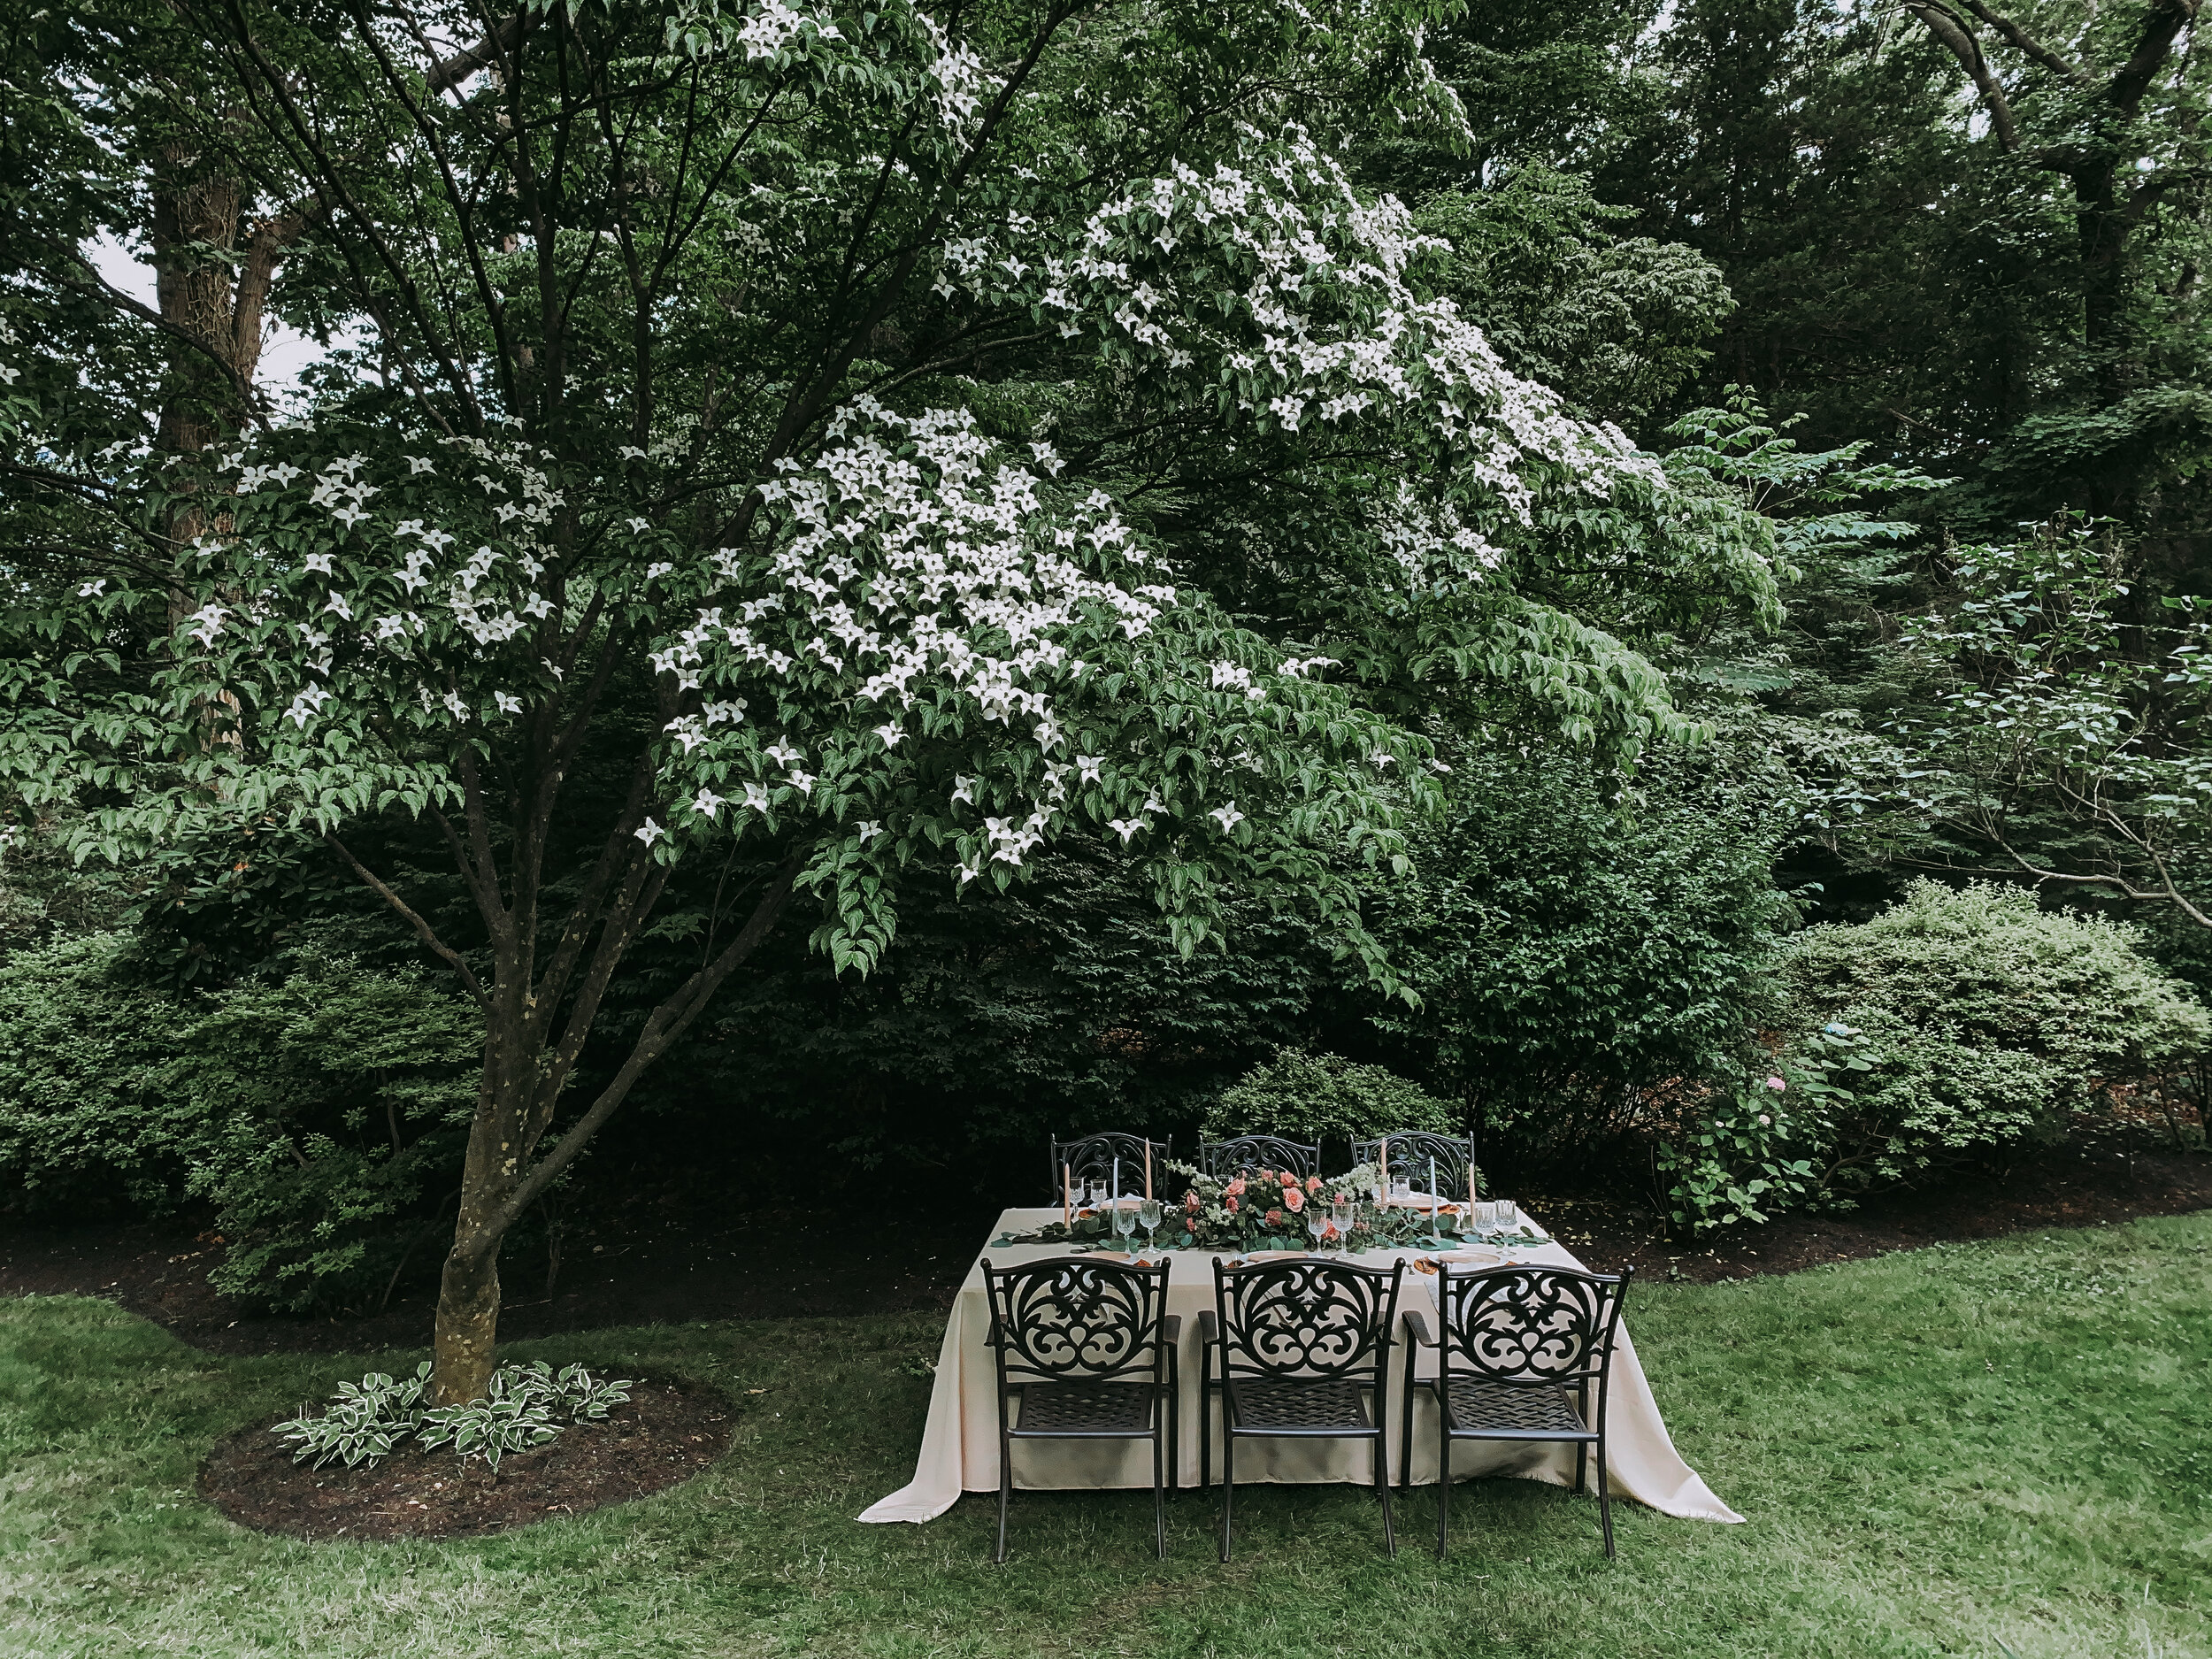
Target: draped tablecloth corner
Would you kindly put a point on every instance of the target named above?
(960, 1446)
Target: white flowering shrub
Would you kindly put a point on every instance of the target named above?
(939, 652)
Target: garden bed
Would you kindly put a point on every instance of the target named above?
(664, 1436)
(643, 1260)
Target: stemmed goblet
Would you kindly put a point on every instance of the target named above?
(1316, 1225)
(1148, 1214)
(1342, 1215)
(1124, 1222)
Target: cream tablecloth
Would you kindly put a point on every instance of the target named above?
(960, 1446)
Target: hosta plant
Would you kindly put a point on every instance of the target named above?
(526, 1406)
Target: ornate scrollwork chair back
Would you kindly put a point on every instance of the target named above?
(1303, 1351)
(1086, 1349)
(1224, 1159)
(1411, 1151)
(1522, 1326)
(1091, 1159)
(1303, 1319)
(1076, 1320)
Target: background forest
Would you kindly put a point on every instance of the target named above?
(1909, 304)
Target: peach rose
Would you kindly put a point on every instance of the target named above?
(1313, 1183)
(1231, 1204)
(1274, 1217)
(1294, 1200)
(1235, 1189)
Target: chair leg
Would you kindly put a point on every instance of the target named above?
(1159, 1491)
(1582, 1447)
(1605, 1504)
(1205, 1420)
(1443, 1488)
(1174, 1423)
(1005, 1493)
(1405, 1430)
(1382, 1485)
(1228, 1478)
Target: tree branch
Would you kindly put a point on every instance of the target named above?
(449, 73)
(663, 1027)
(2028, 44)
(445, 953)
(1946, 28)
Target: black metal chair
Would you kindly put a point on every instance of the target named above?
(1085, 1348)
(1223, 1159)
(1091, 1159)
(1522, 1351)
(1304, 1351)
(1410, 1155)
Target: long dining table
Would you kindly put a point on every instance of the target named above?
(960, 1442)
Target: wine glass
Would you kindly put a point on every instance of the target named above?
(1148, 1214)
(1124, 1223)
(1317, 1224)
(1341, 1214)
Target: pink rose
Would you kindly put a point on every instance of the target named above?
(1235, 1189)
(1274, 1217)
(1190, 1201)
(1231, 1204)
(1313, 1183)
(1294, 1200)
(1262, 1176)
(1776, 1085)
(1190, 1224)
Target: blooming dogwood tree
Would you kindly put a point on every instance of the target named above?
(835, 413)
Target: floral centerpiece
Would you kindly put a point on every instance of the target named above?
(1259, 1209)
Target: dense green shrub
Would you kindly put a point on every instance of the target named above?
(314, 1106)
(993, 1021)
(1579, 941)
(1327, 1098)
(1982, 1019)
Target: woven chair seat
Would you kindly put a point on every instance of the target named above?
(1086, 1407)
(1479, 1404)
(1320, 1404)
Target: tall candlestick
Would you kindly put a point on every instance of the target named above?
(1436, 1206)
(1384, 1157)
(1067, 1198)
(1117, 1186)
(1148, 1166)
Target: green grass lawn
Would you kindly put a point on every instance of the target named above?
(1994, 1449)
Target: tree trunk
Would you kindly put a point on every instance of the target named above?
(467, 1335)
(468, 1294)
(499, 1181)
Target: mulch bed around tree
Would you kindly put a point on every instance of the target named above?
(664, 1436)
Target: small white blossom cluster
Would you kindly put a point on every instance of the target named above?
(959, 82)
(771, 29)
